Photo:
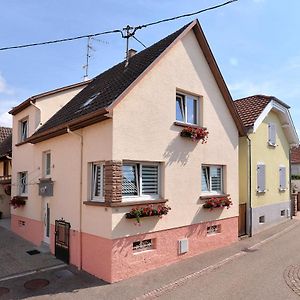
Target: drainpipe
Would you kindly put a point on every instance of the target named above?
(80, 197)
(250, 184)
(290, 184)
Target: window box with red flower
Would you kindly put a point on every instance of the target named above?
(195, 133)
(147, 211)
(217, 202)
(18, 201)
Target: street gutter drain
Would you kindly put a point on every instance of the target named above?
(3, 291)
(35, 284)
(33, 252)
(247, 250)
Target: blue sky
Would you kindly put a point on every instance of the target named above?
(255, 42)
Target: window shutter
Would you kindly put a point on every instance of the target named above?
(261, 178)
(272, 134)
(149, 180)
(282, 178)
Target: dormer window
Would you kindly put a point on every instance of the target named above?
(23, 130)
(187, 109)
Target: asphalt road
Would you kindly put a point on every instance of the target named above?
(268, 272)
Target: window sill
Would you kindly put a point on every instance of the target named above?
(205, 197)
(181, 124)
(124, 204)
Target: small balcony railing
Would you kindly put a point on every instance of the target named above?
(5, 179)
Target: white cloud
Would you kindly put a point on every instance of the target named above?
(6, 120)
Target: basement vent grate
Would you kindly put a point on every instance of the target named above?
(33, 252)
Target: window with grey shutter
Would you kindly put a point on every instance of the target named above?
(282, 178)
(149, 179)
(272, 134)
(261, 178)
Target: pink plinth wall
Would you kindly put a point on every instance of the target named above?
(29, 229)
(114, 260)
(126, 264)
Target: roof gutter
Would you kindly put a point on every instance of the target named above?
(86, 120)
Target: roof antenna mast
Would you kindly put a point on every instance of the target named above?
(88, 56)
(127, 33)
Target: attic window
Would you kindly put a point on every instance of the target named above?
(187, 109)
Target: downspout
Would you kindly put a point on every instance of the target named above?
(290, 184)
(80, 196)
(249, 152)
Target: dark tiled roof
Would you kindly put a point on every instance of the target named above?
(108, 86)
(4, 133)
(6, 146)
(250, 108)
(295, 155)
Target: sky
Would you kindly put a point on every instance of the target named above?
(255, 43)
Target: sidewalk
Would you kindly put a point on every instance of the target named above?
(14, 258)
(69, 283)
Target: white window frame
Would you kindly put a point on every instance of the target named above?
(183, 98)
(93, 197)
(210, 191)
(138, 170)
(45, 156)
(23, 192)
(23, 137)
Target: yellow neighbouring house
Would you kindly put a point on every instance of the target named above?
(264, 164)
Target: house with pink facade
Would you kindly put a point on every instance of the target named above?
(135, 169)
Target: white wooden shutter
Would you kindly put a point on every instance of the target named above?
(282, 178)
(149, 174)
(261, 178)
(272, 134)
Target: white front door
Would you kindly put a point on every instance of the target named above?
(46, 222)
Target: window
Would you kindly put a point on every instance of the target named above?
(47, 163)
(144, 245)
(214, 229)
(187, 109)
(212, 181)
(261, 178)
(97, 182)
(282, 213)
(23, 130)
(261, 219)
(272, 134)
(140, 180)
(5, 168)
(282, 178)
(23, 183)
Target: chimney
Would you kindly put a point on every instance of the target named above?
(131, 53)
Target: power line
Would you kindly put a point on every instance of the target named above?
(62, 40)
(126, 32)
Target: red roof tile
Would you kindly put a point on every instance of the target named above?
(4, 133)
(250, 108)
(295, 155)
